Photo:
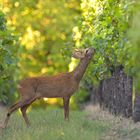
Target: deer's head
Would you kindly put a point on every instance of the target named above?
(83, 53)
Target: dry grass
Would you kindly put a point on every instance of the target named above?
(120, 128)
(2, 113)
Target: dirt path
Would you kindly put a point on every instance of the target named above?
(119, 128)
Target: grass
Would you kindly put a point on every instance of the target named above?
(120, 128)
(90, 124)
(50, 125)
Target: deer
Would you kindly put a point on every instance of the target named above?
(62, 85)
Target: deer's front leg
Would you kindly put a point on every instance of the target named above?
(66, 107)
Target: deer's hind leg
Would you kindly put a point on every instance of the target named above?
(13, 108)
(24, 109)
(10, 111)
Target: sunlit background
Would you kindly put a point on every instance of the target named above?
(44, 30)
(41, 35)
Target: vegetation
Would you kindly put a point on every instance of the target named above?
(134, 36)
(8, 61)
(47, 40)
(104, 26)
(44, 37)
(112, 28)
(37, 37)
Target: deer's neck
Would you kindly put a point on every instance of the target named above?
(80, 69)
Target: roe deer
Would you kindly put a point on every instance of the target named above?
(59, 86)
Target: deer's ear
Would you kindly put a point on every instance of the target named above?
(87, 50)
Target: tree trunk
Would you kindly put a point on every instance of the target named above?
(115, 94)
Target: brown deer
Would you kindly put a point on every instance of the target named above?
(60, 86)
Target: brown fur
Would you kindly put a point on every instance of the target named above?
(59, 86)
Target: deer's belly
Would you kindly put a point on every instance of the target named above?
(55, 92)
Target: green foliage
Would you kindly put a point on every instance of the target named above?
(81, 96)
(104, 26)
(45, 28)
(112, 27)
(8, 61)
(134, 43)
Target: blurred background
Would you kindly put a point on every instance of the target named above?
(37, 38)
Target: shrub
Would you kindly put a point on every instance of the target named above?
(8, 61)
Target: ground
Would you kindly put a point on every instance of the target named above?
(89, 124)
(120, 128)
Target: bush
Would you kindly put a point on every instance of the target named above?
(8, 61)
(134, 51)
(104, 26)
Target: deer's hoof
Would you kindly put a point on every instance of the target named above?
(2, 126)
(28, 125)
(66, 119)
